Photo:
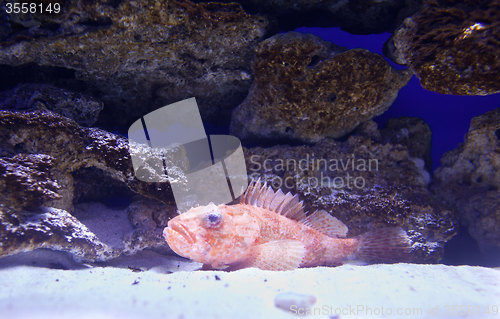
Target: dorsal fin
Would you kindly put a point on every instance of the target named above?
(259, 195)
(251, 194)
(245, 198)
(326, 224)
(269, 196)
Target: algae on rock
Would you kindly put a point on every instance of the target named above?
(142, 55)
(452, 46)
(306, 89)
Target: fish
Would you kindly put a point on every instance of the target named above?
(271, 231)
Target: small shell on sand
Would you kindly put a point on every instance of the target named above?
(291, 301)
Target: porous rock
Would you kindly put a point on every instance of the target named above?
(92, 233)
(138, 56)
(50, 149)
(22, 231)
(26, 181)
(469, 179)
(73, 147)
(82, 108)
(452, 46)
(306, 89)
(365, 184)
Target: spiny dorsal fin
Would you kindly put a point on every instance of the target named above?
(249, 196)
(326, 224)
(287, 205)
(269, 196)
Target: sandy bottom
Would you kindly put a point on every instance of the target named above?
(376, 291)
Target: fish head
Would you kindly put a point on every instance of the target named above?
(215, 235)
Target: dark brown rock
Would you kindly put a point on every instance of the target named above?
(384, 188)
(86, 189)
(469, 179)
(364, 17)
(82, 108)
(139, 56)
(452, 46)
(73, 147)
(26, 181)
(354, 16)
(5, 28)
(306, 89)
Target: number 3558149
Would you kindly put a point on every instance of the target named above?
(31, 7)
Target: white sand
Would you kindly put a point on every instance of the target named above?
(28, 292)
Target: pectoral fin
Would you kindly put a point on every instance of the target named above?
(276, 255)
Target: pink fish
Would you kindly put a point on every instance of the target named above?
(270, 230)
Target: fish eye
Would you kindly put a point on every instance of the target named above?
(214, 218)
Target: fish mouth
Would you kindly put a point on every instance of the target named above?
(183, 231)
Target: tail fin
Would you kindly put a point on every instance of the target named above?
(384, 245)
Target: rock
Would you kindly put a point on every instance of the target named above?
(368, 129)
(306, 89)
(149, 218)
(139, 56)
(26, 181)
(50, 228)
(131, 230)
(469, 179)
(287, 300)
(363, 183)
(52, 149)
(149, 214)
(73, 147)
(452, 46)
(83, 109)
(86, 189)
(377, 291)
(5, 28)
(92, 233)
(357, 17)
(412, 132)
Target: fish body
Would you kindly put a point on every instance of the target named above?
(270, 230)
